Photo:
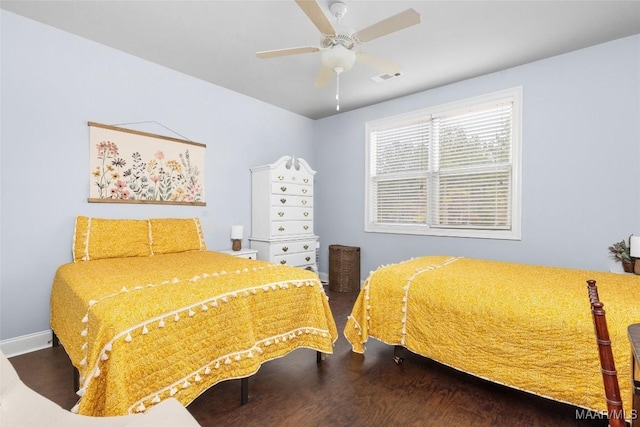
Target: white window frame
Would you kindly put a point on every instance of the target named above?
(514, 232)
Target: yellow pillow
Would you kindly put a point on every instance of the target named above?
(170, 235)
(96, 238)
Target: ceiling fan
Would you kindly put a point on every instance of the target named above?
(337, 45)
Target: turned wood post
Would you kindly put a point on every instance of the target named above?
(607, 364)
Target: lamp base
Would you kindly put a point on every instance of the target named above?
(237, 244)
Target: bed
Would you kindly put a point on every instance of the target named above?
(145, 313)
(527, 327)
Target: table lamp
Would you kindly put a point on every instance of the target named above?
(236, 237)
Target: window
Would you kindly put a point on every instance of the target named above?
(452, 170)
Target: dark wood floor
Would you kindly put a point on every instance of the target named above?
(347, 389)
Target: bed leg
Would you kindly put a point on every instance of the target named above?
(244, 390)
(55, 342)
(320, 356)
(76, 379)
(397, 354)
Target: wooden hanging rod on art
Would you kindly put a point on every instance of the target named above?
(141, 133)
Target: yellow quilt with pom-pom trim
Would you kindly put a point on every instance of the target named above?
(142, 329)
(528, 327)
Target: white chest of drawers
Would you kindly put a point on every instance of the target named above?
(282, 213)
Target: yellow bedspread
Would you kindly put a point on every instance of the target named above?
(528, 327)
(142, 329)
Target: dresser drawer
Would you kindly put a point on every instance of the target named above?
(289, 200)
(296, 260)
(289, 177)
(290, 228)
(294, 247)
(291, 213)
(284, 188)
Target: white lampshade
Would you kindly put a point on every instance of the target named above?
(634, 245)
(236, 232)
(338, 58)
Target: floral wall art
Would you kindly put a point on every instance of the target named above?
(129, 166)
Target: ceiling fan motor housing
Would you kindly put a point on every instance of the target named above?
(343, 36)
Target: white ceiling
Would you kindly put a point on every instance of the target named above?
(216, 41)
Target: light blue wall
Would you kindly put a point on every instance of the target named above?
(52, 84)
(581, 157)
(581, 150)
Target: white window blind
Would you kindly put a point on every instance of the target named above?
(400, 177)
(450, 170)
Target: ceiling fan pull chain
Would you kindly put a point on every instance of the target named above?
(337, 91)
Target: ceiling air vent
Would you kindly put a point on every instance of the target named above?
(381, 78)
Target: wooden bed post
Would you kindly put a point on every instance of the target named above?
(634, 339)
(607, 364)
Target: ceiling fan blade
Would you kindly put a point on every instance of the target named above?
(390, 25)
(324, 76)
(284, 52)
(312, 9)
(380, 64)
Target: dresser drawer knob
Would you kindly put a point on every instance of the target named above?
(283, 201)
(281, 228)
(306, 214)
(283, 261)
(280, 214)
(306, 247)
(308, 258)
(304, 202)
(304, 191)
(306, 180)
(280, 177)
(306, 227)
(285, 248)
(283, 188)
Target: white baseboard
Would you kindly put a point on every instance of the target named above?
(324, 277)
(26, 343)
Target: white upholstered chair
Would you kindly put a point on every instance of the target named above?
(20, 406)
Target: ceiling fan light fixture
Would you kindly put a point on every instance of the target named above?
(338, 57)
(338, 42)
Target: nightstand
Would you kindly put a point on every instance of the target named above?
(243, 253)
